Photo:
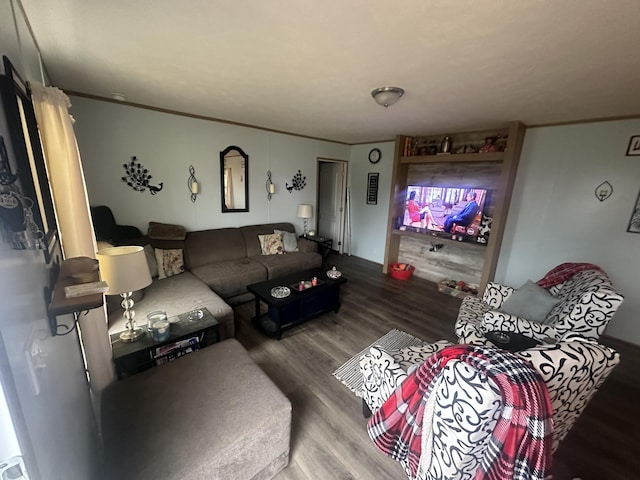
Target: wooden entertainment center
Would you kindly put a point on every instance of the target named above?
(494, 171)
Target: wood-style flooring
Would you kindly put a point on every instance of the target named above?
(329, 439)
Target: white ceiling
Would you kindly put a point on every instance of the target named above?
(308, 67)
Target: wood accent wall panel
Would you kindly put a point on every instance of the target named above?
(455, 260)
(494, 171)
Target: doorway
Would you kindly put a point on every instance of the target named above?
(332, 186)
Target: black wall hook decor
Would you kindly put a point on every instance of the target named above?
(298, 182)
(138, 177)
(603, 191)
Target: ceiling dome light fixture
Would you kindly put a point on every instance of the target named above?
(386, 96)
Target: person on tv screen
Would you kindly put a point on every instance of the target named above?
(466, 216)
(414, 209)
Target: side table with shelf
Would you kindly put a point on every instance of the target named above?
(324, 246)
(134, 357)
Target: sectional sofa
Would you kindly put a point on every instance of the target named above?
(211, 268)
(183, 427)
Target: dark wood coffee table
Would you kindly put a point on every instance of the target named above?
(299, 306)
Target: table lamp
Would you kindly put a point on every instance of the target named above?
(305, 211)
(125, 270)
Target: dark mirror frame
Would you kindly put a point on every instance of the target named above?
(223, 154)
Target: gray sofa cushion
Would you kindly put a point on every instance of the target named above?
(206, 247)
(176, 295)
(530, 301)
(280, 265)
(212, 414)
(231, 277)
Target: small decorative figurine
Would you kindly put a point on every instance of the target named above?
(445, 146)
(489, 145)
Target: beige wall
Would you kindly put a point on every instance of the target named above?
(555, 216)
(109, 134)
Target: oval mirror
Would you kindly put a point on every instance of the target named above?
(234, 176)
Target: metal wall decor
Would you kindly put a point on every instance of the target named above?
(138, 177)
(298, 182)
(603, 191)
(372, 188)
(271, 188)
(192, 184)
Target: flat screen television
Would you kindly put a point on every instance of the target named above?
(447, 210)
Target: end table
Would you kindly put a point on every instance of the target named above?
(324, 246)
(133, 357)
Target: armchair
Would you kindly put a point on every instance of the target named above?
(584, 304)
(468, 407)
(106, 229)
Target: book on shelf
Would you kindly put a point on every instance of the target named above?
(83, 289)
(168, 353)
(408, 141)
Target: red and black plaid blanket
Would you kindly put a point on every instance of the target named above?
(564, 272)
(520, 444)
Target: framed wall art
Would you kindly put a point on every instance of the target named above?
(372, 188)
(634, 146)
(634, 221)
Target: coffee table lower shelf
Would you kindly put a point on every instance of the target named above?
(299, 307)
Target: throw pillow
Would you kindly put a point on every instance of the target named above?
(289, 240)
(170, 262)
(151, 260)
(271, 244)
(166, 231)
(531, 302)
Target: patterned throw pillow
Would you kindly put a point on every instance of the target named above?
(271, 244)
(170, 262)
(289, 240)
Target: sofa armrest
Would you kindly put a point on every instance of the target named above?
(383, 371)
(381, 375)
(469, 319)
(307, 246)
(499, 321)
(496, 294)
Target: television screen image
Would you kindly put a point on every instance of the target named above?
(450, 210)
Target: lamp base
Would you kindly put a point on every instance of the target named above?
(132, 335)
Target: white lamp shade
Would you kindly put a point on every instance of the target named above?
(125, 269)
(305, 211)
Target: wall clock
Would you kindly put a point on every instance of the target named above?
(375, 155)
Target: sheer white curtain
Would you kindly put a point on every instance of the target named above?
(64, 169)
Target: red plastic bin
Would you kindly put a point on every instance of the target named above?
(396, 272)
